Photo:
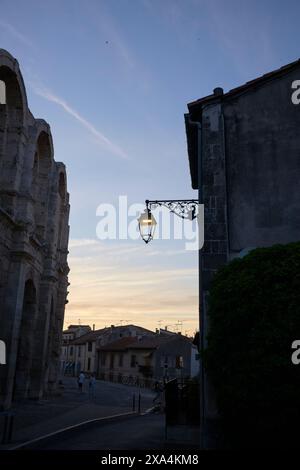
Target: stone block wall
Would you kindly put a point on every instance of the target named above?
(34, 214)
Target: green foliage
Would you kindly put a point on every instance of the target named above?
(254, 315)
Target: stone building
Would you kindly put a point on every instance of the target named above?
(34, 213)
(147, 358)
(244, 156)
(82, 352)
(67, 357)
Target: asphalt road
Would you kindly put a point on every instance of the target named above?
(134, 433)
(34, 419)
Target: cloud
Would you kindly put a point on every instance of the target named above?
(113, 282)
(100, 137)
(16, 33)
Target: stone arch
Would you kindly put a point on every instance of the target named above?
(41, 170)
(13, 101)
(62, 207)
(26, 339)
(13, 112)
(16, 93)
(62, 186)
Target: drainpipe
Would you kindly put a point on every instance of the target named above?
(198, 127)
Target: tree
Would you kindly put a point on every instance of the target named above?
(254, 312)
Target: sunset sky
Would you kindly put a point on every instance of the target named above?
(113, 79)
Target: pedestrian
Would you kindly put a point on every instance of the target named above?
(158, 391)
(81, 380)
(92, 385)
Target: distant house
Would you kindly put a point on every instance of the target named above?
(148, 358)
(82, 351)
(85, 351)
(67, 356)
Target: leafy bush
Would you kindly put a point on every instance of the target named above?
(254, 315)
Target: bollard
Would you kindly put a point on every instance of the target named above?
(139, 405)
(10, 428)
(133, 402)
(7, 428)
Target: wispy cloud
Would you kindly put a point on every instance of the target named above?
(106, 288)
(10, 29)
(100, 137)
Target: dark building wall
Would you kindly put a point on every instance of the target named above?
(249, 145)
(262, 153)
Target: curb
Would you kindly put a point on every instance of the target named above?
(75, 427)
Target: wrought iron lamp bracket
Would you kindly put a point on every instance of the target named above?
(183, 208)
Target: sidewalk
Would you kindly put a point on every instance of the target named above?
(70, 407)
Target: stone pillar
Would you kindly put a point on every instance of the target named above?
(215, 250)
(10, 323)
(56, 335)
(39, 366)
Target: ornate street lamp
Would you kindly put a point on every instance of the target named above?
(185, 209)
(147, 224)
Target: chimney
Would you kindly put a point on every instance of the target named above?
(93, 326)
(218, 91)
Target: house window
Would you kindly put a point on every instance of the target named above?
(79, 351)
(90, 346)
(2, 92)
(121, 360)
(179, 362)
(89, 364)
(71, 351)
(133, 361)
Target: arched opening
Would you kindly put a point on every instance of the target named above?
(62, 186)
(11, 121)
(40, 182)
(25, 343)
(62, 197)
(13, 95)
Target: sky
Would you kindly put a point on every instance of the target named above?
(113, 79)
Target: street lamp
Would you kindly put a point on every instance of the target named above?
(183, 208)
(147, 225)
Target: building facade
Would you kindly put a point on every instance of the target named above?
(82, 352)
(34, 213)
(68, 349)
(145, 359)
(244, 149)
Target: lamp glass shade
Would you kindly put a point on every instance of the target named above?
(147, 225)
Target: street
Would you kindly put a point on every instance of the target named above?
(69, 407)
(136, 433)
